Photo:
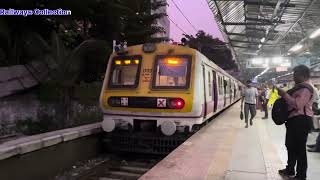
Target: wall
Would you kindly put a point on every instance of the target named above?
(17, 78)
(26, 106)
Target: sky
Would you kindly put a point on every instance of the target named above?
(198, 13)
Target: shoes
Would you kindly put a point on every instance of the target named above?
(296, 178)
(251, 123)
(314, 149)
(285, 172)
(247, 126)
(311, 145)
(316, 130)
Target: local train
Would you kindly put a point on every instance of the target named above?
(163, 87)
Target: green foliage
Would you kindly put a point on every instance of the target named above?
(31, 127)
(212, 48)
(129, 20)
(88, 93)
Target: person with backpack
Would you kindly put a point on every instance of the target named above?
(298, 124)
(249, 97)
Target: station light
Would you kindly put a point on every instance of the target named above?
(257, 61)
(315, 34)
(307, 52)
(277, 60)
(136, 61)
(285, 64)
(263, 39)
(296, 48)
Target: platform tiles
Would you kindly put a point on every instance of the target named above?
(225, 150)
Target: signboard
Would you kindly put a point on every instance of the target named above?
(265, 62)
(161, 102)
(146, 75)
(281, 69)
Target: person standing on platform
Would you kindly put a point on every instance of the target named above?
(265, 99)
(273, 96)
(299, 123)
(249, 97)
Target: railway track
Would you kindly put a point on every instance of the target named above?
(111, 167)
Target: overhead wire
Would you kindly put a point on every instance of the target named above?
(184, 15)
(177, 25)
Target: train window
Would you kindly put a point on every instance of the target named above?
(172, 72)
(210, 84)
(125, 72)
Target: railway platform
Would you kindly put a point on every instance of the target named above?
(226, 150)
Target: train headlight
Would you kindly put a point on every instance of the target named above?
(177, 103)
(149, 47)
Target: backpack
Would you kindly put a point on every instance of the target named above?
(280, 112)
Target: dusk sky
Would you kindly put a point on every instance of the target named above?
(198, 13)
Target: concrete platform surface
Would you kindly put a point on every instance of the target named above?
(225, 150)
(32, 143)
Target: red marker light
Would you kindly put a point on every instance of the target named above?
(177, 103)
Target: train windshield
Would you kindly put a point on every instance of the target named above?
(125, 72)
(172, 72)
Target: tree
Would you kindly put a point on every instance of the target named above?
(214, 49)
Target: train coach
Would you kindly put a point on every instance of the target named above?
(163, 88)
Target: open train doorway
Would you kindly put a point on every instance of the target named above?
(215, 90)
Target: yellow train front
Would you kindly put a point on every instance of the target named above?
(163, 87)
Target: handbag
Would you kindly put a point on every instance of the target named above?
(241, 115)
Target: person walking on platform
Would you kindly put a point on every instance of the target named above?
(249, 96)
(298, 124)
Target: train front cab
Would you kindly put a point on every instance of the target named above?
(145, 90)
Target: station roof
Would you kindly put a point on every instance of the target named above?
(264, 27)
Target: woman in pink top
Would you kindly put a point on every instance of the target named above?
(299, 123)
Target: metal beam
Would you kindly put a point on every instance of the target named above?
(250, 42)
(245, 47)
(261, 3)
(266, 3)
(262, 30)
(264, 20)
(246, 24)
(236, 34)
(251, 35)
(298, 19)
(220, 16)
